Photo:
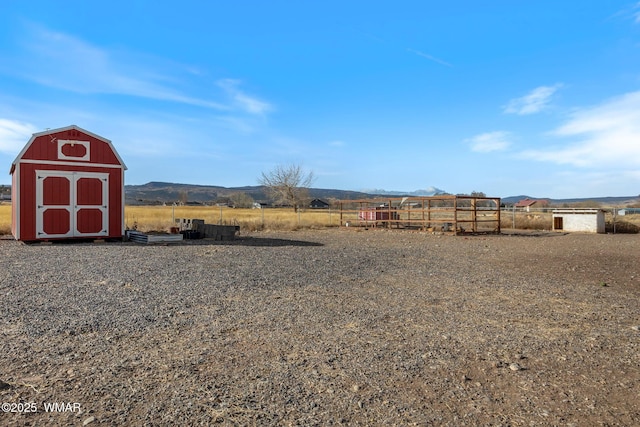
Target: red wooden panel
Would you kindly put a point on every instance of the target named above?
(89, 192)
(115, 202)
(57, 191)
(56, 221)
(27, 208)
(89, 221)
(42, 148)
(102, 153)
(74, 150)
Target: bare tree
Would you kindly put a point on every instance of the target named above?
(288, 184)
(241, 200)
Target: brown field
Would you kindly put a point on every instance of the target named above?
(148, 218)
(160, 218)
(5, 218)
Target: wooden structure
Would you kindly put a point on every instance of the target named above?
(456, 214)
(67, 183)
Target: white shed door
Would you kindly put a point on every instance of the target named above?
(71, 204)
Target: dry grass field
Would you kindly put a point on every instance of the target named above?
(155, 218)
(160, 218)
(5, 218)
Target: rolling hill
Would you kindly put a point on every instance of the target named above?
(163, 192)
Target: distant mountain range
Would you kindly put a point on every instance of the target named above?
(610, 201)
(163, 192)
(431, 191)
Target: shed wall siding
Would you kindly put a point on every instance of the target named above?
(15, 202)
(582, 222)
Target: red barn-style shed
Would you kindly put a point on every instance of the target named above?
(67, 183)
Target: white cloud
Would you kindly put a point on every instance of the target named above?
(534, 102)
(242, 100)
(429, 57)
(490, 141)
(606, 135)
(336, 143)
(632, 12)
(99, 70)
(14, 135)
(102, 70)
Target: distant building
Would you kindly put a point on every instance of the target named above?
(318, 204)
(628, 211)
(527, 204)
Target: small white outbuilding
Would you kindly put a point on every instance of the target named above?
(582, 220)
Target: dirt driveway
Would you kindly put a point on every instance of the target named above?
(324, 327)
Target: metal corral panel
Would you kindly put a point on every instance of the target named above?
(579, 220)
(67, 183)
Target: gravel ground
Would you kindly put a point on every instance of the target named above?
(324, 327)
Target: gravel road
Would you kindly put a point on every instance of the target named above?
(323, 327)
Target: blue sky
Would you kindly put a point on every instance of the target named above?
(506, 97)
